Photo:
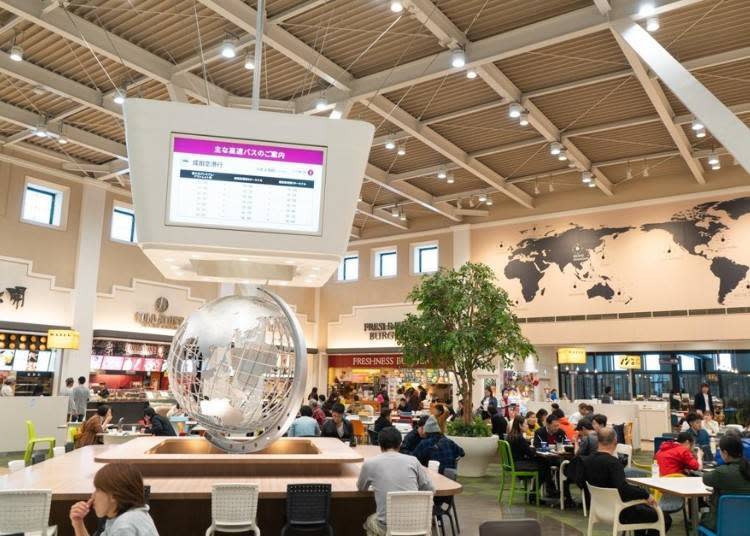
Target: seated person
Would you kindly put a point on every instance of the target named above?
(732, 478)
(390, 471)
(581, 413)
(317, 413)
(700, 436)
(498, 422)
(603, 470)
(383, 421)
(338, 426)
(403, 406)
(96, 424)
(414, 437)
(677, 456)
(565, 425)
(599, 421)
(156, 424)
(709, 424)
(304, 425)
(524, 455)
(435, 446)
(356, 406)
(119, 499)
(550, 433)
(438, 411)
(532, 424)
(586, 443)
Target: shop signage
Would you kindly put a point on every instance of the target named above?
(380, 330)
(629, 361)
(366, 361)
(64, 339)
(571, 356)
(15, 295)
(158, 319)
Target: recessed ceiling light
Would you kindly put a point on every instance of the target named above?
(228, 49)
(458, 58)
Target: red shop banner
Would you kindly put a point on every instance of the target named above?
(366, 361)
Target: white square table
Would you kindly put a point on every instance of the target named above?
(691, 487)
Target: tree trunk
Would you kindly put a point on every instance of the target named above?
(468, 388)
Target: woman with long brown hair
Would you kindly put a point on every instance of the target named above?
(119, 499)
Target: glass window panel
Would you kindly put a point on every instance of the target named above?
(349, 268)
(387, 264)
(123, 225)
(39, 206)
(427, 259)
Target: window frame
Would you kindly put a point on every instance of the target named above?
(60, 198)
(377, 262)
(123, 208)
(416, 257)
(341, 272)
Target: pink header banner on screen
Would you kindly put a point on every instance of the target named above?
(277, 153)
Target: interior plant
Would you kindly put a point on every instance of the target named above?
(463, 323)
(475, 428)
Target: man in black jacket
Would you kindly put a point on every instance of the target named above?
(550, 433)
(156, 424)
(704, 401)
(337, 425)
(603, 470)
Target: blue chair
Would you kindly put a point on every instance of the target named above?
(733, 517)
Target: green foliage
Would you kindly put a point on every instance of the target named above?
(475, 428)
(463, 323)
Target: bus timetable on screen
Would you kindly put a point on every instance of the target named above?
(245, 184)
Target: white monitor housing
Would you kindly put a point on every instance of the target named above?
(223, 194)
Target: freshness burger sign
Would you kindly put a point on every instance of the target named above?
(367, 361)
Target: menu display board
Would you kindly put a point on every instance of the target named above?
(245, 184)
(20, 359)
(96, 362)
(112, 362)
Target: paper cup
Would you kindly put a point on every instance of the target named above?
(433, 465)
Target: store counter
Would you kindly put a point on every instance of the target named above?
(46, 412)
(182, 504)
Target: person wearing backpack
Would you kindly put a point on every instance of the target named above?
(435, 446)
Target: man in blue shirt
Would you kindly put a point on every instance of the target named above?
(435, 446)
(304, 425)
(700, 436)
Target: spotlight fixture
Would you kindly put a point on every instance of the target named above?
(646, 172)
(713, 158)
(555, 148)
(551, 187)
(591, 185)
(482, 198)
(321, 104)
(471, 74)
(395, 211)
(397, 6)
(458, 58)
(450, 179)
(441, 173)
(38, 90)
(401, 151)
(587, 177)
(524, 119)
(697, 124)
(249, 62)
(515, 110)
(228, 49)
(700, 133)
(652, 24)
(402, 215)
(647, 9)
(61, 140)
(716, 167)
(489, 202)
(536, 189)
(390, 144)
(335, 114)
(119, 97)
(40, 132)
(563, 156)
(16, 53)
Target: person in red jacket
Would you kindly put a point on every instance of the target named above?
(677, 456)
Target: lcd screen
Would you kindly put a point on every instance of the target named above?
(245, 184)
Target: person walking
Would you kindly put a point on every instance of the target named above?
(80, 395)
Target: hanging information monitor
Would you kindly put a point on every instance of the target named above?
(245, 184)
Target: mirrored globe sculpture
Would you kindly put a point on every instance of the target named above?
(237, 366)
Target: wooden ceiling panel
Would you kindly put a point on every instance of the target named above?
(625, 142)
(70, 150)
(8, 129)
(99, 123)
(525, 161)
(374, 194)
(672, 165)
(465, 182)
(418, 155)
(483, 130)
(32, 98)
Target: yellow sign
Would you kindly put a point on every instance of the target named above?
(66, 339)
(571, 356)
(629, 361)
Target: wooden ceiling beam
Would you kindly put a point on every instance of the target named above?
(381, 215)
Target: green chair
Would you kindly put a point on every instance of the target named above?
(508, 467)
(33, 440)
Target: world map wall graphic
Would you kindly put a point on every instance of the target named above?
(575, 260)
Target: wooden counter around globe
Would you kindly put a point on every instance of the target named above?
(181, 502)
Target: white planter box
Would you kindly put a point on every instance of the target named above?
(480, 452)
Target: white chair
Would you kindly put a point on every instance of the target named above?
(26, 511)
(606, 506)
(16, 465)
(409, 513)
(627, 450)
(561, 487)
(58, 451)
(234, 508)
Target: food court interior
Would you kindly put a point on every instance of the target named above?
(593, 154)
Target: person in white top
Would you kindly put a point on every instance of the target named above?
(120, 500)
(709, 424)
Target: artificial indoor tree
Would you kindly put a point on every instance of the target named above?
(463, 322)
